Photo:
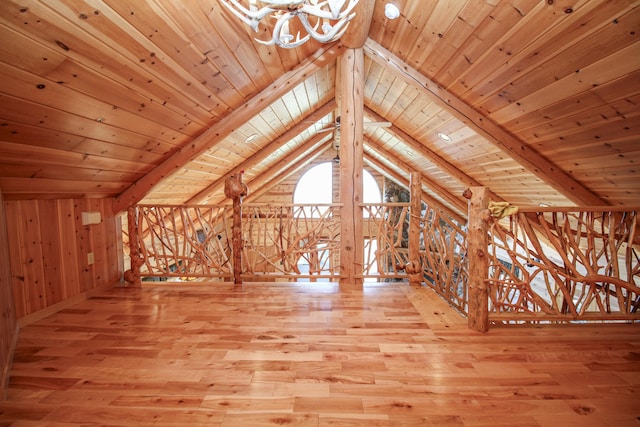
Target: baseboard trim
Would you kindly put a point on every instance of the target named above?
(41, 314)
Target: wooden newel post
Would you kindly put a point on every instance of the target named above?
(132, 275)
(478, 244)
(414, 268)
(235, 190)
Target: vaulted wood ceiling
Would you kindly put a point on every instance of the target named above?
(153, 100)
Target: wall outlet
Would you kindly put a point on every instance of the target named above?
(90, 258)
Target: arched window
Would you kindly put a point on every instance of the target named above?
(315, 186)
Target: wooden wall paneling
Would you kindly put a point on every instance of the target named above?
(68, 247)
(26, 256)
(16, 243)
(52, 256)
(84, 241)
(49, 247)
(8, 324)
(36, 296)
(99, 243)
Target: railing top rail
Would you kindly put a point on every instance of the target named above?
(397, 204)
(228, 205)
(531, 209)
(292, 205)
(150, 205)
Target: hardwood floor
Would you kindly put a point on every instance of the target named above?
(309, 355)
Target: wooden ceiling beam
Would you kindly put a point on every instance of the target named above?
(220, 130)
(425, 151)
(358, 31)
(457, 202)
(265, 151)
(394, 175)
(286, 167)
(493, 132)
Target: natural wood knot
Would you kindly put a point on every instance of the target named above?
(467, 194)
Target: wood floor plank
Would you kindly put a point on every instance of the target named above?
(270, 354)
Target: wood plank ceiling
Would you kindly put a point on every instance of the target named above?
(155, 100)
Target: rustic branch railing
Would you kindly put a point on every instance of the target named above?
(564, 264)
(385, 231)
(290, 240)
(443, 256)
(561, 264)
(184, 241)
(295, 242)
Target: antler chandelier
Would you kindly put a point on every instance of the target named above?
(324, 21)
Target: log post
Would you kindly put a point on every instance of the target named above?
(132, 275)
(414, 268)
(235, 190)
(477, 246)
(351, 82)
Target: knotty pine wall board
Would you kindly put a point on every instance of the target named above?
(49, 250)
(8, 324)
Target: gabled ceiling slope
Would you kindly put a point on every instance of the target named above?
(154, 100)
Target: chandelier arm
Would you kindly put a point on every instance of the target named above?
(250, 17)
(334, 13)
(279, 38)
(336, 30)
(286, 10)
(284, 4)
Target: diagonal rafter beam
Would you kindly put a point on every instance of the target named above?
(226, 126)
(266, 151)
(457, 203)
(392, 174)
(286, 167)
(493, 132)
(425, 151)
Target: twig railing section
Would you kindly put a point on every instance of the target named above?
(297, 241)
(290, 240)
(184, 241)
(443, 258)
(564, 265)
(385, 232)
